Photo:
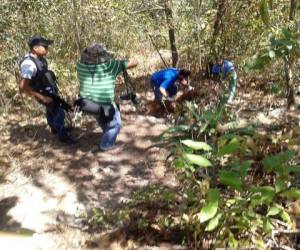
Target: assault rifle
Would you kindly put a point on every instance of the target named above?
(127, 94)
(49, 88)
(58, 100)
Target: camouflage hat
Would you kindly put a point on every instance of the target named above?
(95, 54)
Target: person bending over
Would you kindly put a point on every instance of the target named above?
(163, 82)
(224, 70)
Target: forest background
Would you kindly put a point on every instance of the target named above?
(194, 32)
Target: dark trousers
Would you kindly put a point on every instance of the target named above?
(172, 91)
(55, 118)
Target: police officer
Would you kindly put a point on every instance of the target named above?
(33, 69)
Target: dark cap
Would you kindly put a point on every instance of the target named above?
(38, 40)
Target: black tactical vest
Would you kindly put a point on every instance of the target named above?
(37, 82)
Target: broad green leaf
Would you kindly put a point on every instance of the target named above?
(263, 189)
(233, 243)
(270, 163)
(293, 169)
(258, 61)
(197, 145)
(274, 210)
(230, 148)
(260, 244)
(213, 223)
(179, 163)
(231, 179)
(244, 168)
(266, 196)
(235, 165)
(243, 222)
(210, 208)
(285, 217)
(198, 160)
(279, 186)
(293, 193)
(286, 156)
(230, 202)
(255, 201)
(178, 128)
(287, 33)
(267, 226)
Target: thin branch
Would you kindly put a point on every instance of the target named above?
(295, 231)
(160, 55)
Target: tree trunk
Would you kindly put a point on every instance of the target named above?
(197, 20)
(218, 25)
(293, 9)
(288, 65)
(220, 14)
(289, 84)
(169, 17)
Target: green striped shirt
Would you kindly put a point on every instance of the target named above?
(97, 81)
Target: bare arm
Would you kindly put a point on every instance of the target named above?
(163, 92)
(25, 88)
(132, 64)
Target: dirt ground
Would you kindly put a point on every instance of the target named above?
(45, 184)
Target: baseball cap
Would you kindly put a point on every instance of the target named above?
(38, 40)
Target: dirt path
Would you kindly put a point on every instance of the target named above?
(45, 183)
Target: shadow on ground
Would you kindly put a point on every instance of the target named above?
(100, 178)
(6, 221)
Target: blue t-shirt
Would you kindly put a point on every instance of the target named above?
(165, 78)
(223, 69)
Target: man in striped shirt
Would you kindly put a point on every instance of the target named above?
(97, 72)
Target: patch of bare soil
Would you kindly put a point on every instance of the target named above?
(45, 184)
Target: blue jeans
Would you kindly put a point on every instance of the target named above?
(157, 94)
(55, 118)
(110, 130)
(232, 85)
